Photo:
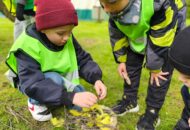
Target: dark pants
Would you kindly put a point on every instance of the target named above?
(182, 123)
(186, 98)
(156, 95)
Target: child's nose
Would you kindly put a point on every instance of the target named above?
(107, 8)
(65, 38)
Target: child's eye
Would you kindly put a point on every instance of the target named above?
(60, 34)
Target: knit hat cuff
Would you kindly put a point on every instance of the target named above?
(56, 18)
(180, 67)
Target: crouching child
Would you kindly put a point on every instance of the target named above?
(179, 56)
(48, 60)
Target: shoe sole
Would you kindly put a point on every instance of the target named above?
(158, 123)
(42, 118)
(136, 109)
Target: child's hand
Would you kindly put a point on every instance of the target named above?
(122, 69)
(101, 89)
(84, 99)
(123, 73)
(156, 76)
(189, 122)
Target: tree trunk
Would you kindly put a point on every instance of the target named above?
(4, 10)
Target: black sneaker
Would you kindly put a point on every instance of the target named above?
(125, 106)
(148, 121)
(182, 125)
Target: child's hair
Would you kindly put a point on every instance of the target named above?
(54, 13)
(179, 53)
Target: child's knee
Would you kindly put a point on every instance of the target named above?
(79, 88)
(55, 77)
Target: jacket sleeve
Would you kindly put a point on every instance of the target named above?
(33, 83)
(119, 42)
(164, 26)
(88, 69)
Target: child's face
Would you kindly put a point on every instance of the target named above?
(59, 35)
(116, 7)
(185, 79)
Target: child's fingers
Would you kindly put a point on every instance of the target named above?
(120, 73)
(189, 122)
(103, 94)
(93, 97)
(126, 77)
(98, 91)
(165, 73)
(86, 105)
(151, 80)
(163, 78)
(157, 82)
(91, 102)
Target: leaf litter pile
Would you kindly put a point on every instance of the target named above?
(97, 117)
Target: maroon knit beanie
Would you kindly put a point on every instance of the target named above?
(54, 13)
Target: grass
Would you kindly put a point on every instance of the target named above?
(93, 37)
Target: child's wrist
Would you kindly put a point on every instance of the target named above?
(99, 80)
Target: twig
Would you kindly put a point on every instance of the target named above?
(11, 112)
(17, 114)
(10, 124)
(7, 125)
(14, 100)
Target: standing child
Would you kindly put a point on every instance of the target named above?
(179, 55)
(24, 16)
(143, 29)
(48, 60)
